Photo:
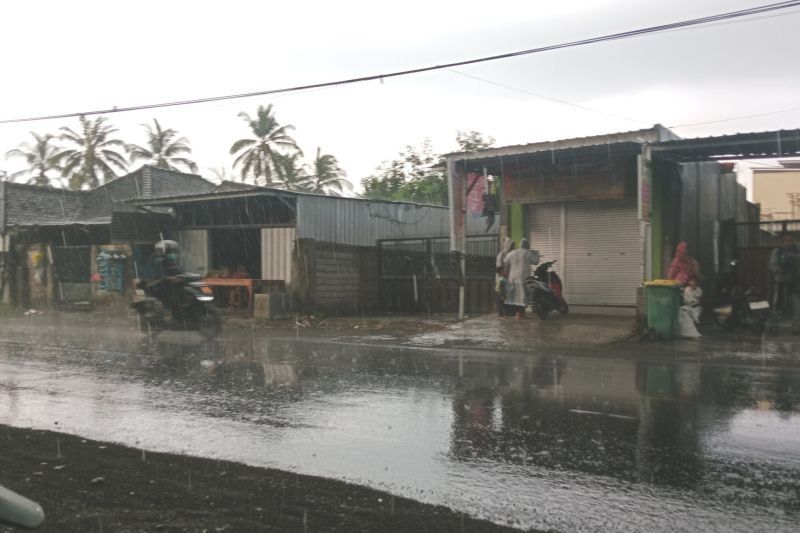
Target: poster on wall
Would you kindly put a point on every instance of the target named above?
(476, 188)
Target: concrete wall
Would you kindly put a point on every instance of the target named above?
(335, 279)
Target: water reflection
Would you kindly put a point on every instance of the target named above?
(571, 442)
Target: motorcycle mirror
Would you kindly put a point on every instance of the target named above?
(18, 510)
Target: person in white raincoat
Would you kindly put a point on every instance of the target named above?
(518, 267)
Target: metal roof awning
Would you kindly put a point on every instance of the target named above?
(760, 145)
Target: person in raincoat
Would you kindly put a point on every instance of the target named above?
(683, 266)
(517, 265)
(508, 245)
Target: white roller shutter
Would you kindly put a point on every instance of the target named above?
(276, 253)
(544, 224)
(194, 250)
(603, 254)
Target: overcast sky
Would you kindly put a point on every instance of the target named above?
(72, 56)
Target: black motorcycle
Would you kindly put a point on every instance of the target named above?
(546, 291)
(176, 301)
(742, 307)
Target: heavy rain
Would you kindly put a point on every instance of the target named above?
(430, 267)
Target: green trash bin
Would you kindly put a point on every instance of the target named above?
(663, 298)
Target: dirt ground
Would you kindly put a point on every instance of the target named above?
(98, 486)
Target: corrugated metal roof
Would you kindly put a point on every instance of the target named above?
(754, 145)
(648, 135)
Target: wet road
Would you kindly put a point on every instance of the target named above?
(562, 441)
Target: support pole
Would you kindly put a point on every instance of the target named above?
(457, 191)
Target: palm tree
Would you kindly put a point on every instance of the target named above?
(290, 172)
(164, 149)
(327, 176)
(94, 158)
(40, 157)
(256, 156)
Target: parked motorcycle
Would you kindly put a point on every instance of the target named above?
(743, 307)
(177, 300)
(546, 291)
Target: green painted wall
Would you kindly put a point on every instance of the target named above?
(657, 223)
(516, 223)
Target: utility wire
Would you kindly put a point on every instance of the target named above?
(736, 118)
(571, 44)
(556, 100)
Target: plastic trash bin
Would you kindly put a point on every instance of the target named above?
(662, 298)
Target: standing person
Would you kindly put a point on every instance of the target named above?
(683, 266)
(500, 288)
(508, 245)
(784, 264)
(518, 266)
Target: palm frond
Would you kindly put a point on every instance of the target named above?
(240, 144)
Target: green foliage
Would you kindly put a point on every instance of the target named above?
(93, 157)
(290, 172)
(40, 157)
(327, 176)
(164, 149)
(472, 141)
(256, 155)
(414, 176)
(417, 174)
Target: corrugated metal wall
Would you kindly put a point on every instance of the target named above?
(362, 222)
(277, 245)
(194, 250)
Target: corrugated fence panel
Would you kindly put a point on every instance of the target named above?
(362, 222)
(277, 245)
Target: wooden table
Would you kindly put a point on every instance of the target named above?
(247, 284)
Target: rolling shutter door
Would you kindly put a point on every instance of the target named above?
(543, 222)
(603, 254)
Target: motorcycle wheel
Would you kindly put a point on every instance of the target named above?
(724, 322)
(562, 306)
(756, 322)
(540, 310)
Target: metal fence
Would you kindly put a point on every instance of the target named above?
(754, 244)
(422, 275)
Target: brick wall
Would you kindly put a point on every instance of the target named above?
(336, 279)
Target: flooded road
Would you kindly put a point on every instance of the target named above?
(562, 441)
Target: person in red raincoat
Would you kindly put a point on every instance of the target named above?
(683, 266)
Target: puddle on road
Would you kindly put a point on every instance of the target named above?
(571, 443)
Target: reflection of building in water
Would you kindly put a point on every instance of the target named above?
(608, 417)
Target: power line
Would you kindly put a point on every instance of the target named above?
(556, 100)
(754, 115)
(571, 44)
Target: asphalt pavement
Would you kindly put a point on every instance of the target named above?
(611, 436)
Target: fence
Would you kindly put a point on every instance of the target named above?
(421, 275)
(754, 244)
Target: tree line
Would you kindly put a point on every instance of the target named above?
(417, 174)
(94, 154)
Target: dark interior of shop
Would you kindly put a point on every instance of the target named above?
(236, 251)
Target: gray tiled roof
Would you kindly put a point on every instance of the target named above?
(28, 205)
